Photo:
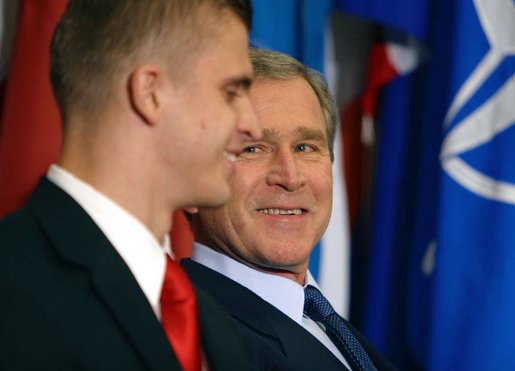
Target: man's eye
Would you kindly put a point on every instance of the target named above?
(250, 149)
(249, 152)
(231, 94)
(304, 148)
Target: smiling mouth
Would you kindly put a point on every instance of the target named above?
(282, 211)
(230, 156)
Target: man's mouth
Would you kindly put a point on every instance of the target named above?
(281, 211)
(230, 156)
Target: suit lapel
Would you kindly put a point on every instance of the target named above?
(236, 299)
(218, 335)
(297, 340)
(78, 240)
(120, 292)
(264, 318)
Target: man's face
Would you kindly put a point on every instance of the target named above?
(211, 115)
(282, 185)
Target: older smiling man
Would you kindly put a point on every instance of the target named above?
(252, 254)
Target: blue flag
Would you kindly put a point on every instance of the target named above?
(406, 16)
(441, 287)
(441, 283)
(292, 27)
(473, 323)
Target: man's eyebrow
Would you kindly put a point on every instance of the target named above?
(241, 82)
(311, 134)
(269, 133)
(303, 133)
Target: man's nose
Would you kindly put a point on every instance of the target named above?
(285, 171)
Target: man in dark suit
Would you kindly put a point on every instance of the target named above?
(252, 253)
(154, 102)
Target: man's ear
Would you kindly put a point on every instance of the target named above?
(145, 87)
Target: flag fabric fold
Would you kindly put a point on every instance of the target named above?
(400, 29)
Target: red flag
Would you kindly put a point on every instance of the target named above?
(30, 133)
(387, 61)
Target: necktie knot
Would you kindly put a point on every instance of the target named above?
(316, 306)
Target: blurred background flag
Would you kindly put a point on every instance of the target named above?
(30, 134)
(441, 282)
(398, 34)
(473, 327)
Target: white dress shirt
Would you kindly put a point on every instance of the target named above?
(271, 288)
(137, 246)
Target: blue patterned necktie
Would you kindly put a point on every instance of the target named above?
(318, 309)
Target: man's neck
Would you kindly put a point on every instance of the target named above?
(131, 195)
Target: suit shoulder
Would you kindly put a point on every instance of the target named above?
(17, 228)
(21, 241)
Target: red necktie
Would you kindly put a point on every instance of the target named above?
(179, 316)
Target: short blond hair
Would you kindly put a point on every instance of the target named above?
(95, 39)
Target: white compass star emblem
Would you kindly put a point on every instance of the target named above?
(495, 115)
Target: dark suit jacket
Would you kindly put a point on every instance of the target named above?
(69, 301)
(273, 340)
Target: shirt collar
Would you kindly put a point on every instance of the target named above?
(132, 239)
(269, 287)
